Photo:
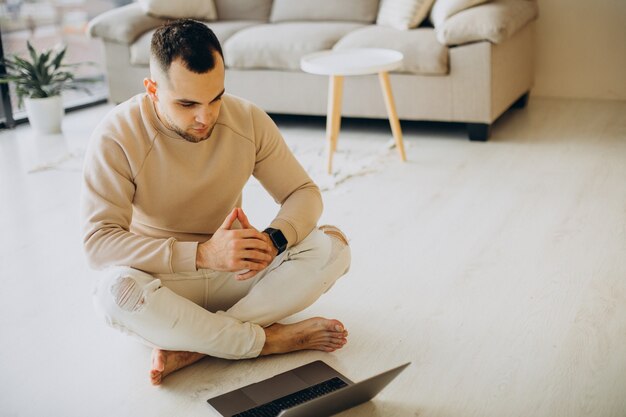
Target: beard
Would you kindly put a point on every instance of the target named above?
(184, 134)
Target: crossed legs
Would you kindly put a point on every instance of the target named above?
(190, 315)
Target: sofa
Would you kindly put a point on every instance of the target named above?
(465, 61)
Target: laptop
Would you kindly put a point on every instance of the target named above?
(315, 389)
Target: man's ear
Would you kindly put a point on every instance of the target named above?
(151, 88)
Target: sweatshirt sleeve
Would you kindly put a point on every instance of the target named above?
(286, 181)
(107, 195)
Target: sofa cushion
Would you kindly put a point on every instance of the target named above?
(281, 45)
(123, 24)
(193, 9)
(140, 50)
(494, 22)
(443, 9)
(243, 9)
(343, 10)
(403, 14)
(423, 54)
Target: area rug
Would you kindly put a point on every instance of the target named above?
(356, 156)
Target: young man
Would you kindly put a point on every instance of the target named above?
(186, 272)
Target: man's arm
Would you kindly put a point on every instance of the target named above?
(283, 177)
(106, 209)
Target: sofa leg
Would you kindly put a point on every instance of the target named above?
(521, 102)
(478, 131)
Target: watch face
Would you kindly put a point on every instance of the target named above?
(278, 238)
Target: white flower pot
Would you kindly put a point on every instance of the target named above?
(45, 114)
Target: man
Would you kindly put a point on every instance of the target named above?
(186, 272)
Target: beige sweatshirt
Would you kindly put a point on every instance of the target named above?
(149, 196)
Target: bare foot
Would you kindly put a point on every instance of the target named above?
(164, 362)
(317, 333)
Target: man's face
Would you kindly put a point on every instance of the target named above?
(187, 102)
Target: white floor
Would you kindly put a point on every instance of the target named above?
(498, 269)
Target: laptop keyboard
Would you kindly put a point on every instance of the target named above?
(273, 408)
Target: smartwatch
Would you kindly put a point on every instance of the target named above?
(277, 238)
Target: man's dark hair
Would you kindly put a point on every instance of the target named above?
(193, 42)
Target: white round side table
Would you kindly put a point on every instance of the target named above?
(357, 61)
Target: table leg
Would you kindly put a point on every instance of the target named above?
(333, 118)
(391, 111)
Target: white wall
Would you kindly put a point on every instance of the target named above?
(581, 49)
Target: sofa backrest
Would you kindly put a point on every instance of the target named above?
(364, 11)
(243, 9)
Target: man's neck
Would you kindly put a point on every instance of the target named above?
(162, 119)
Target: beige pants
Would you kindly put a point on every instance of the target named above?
(210, 311)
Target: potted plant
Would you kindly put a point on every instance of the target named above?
(39, 81)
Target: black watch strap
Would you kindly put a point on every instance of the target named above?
(278, 239)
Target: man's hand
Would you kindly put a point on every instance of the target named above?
(272, 251)
(236, 250)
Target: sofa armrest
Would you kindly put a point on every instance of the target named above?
(123, 24)
(495, 22)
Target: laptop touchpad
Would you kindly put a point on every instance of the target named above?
(275, 387)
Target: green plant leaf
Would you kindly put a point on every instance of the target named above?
(22, 64)
(31, 51)
(56, 62)
(41, 67)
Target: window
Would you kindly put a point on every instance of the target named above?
(46, 23)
